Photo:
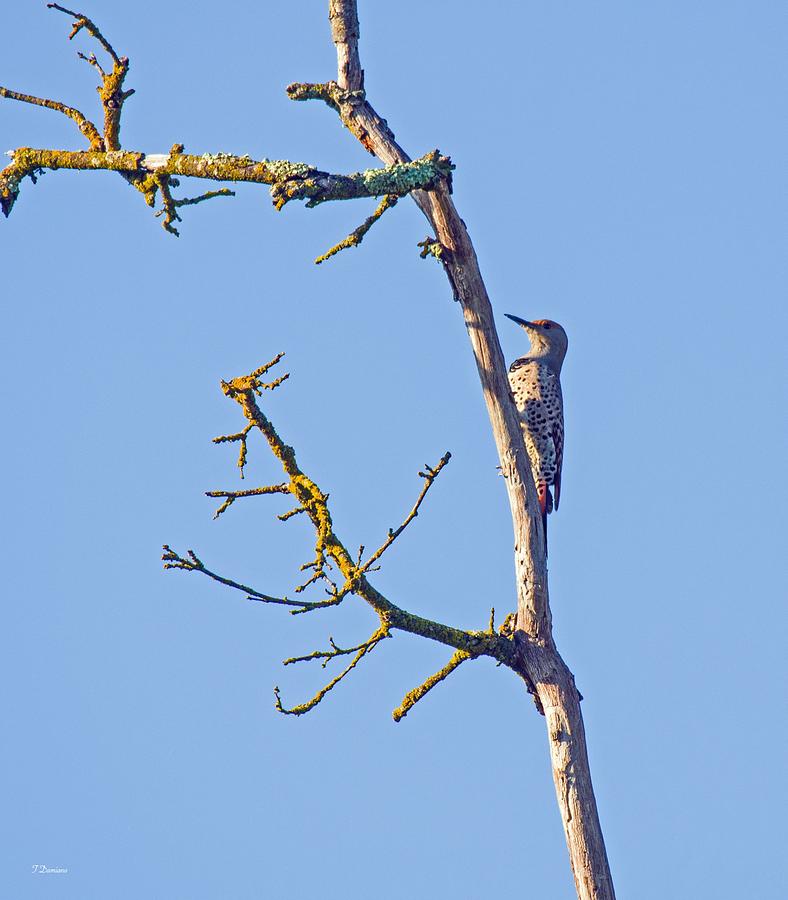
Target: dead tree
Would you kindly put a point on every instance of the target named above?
(524, 641)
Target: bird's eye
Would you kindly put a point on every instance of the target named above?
(547, 325)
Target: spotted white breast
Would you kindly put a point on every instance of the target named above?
(537, 395)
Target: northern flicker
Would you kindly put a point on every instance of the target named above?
(536, 386)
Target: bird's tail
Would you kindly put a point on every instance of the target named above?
(544, 527)
(546, 506)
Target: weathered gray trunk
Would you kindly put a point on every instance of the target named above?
(542, 665)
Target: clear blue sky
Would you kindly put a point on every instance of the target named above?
(621, 169)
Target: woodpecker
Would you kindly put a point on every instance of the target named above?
(535, 380)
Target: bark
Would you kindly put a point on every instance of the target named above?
(541, 662)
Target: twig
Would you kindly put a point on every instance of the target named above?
(86, 127)
(192, 563)
(92, 61)
(362, 651)
(231, 496)
(325, 655)
(290, 513)
(240, 437)
(82, 21)
(168, 207)
(412, 697)
(170, 204)
(111, 91)
(429, 477)
(306, 606)
(317, 575)
(357, 236)
(208, 195)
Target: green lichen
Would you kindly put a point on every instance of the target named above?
(430, 247)
(284, 170)
(329, 92)
(402, 178)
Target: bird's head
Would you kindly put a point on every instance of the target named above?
(548, 340)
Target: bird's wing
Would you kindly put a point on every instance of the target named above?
(558, 443)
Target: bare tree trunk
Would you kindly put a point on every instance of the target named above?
(542, 664)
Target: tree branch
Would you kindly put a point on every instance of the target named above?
(429, 478)
(288, 180)
(363, 649)
(231, 496)
(111, 91)
(86, 127)
(330, 550)
(192, 563)
(153, 174)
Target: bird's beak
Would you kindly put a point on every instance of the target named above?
(520, 321)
